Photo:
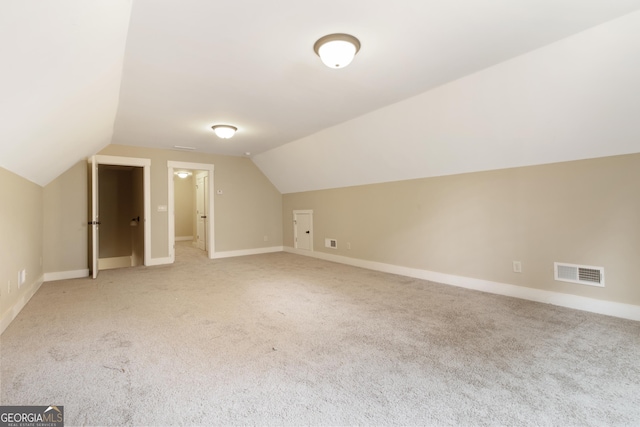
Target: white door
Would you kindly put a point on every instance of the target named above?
(201, 210)
(94, 221)
(303, 230)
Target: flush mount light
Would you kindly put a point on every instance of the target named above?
(224, 131)
(337, 50)
(183, 174)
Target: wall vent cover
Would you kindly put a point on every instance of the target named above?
(582, 274)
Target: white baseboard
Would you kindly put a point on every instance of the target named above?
(159, 261)
(64, 275)
(12, 312)
(244, 252)
(183, 238)
(610, 308)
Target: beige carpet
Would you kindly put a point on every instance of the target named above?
(281, 339)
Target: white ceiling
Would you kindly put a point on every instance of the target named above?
(574, 99)
(60, 70)
(189, 64)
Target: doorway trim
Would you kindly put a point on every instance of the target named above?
(171, 165)
(295, 229)
(145, 164)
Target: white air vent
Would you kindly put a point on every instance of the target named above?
(583, 274)
(331, 243)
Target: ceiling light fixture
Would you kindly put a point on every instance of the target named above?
(183, 174)
(337, 50)
(224, 131)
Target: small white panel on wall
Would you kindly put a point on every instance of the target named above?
(331, 243)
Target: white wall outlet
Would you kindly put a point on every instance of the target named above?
(517, 267)
(348, 246)
(9, 287)
(266, 238)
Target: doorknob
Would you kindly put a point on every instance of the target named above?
(307, 231)
(203, 216)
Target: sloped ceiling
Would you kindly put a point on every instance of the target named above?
(59, 82)
(577, 98)
(189, 64)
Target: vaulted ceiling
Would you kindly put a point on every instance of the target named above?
(438, 87)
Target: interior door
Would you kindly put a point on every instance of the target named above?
(201, 210)
(94, 219)
(302, 230)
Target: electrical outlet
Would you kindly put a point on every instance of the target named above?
(517, 267)
(9, 287)
(266, 238)
(348, 246)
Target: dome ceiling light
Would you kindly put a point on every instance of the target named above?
(224, 131)
(337, 50)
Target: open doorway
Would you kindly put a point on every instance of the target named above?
(119, 212)
(191, 210)
(121, 207)
(191, 207)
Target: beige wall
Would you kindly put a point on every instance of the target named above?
(65, 221)
(474, 225)
(21, 223)
(249, 208)
(184, 204)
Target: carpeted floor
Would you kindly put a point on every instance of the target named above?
(281, 339)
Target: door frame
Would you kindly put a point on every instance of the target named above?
(145, 164)
(295, 229)
(171, 165)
